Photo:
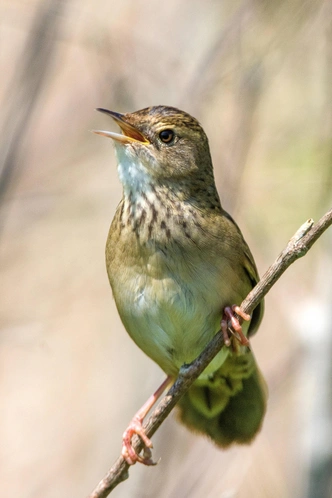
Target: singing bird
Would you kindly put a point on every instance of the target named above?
(177, 262)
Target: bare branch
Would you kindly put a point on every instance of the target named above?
(297, 247)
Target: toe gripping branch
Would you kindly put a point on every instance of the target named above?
(229, 314)
(136, 427)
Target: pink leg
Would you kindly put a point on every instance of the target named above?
(229, 315)
(136, 427)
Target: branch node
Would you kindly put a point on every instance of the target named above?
(185, 370)
(301, 232)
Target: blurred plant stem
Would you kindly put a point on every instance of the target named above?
(24, 90)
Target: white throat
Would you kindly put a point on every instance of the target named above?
(134, 176)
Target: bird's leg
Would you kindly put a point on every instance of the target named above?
(136, 427)
(229, 314)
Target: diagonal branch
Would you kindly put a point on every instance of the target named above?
(297, 247)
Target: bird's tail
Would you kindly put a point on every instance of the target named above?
(228, 406)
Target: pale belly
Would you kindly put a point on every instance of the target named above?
(173, 312)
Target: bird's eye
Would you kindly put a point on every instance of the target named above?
(166, 136)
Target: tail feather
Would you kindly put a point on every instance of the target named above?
(229, 408)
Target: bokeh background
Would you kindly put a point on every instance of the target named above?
(257, 74)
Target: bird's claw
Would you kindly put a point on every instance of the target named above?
(128, 452)
(229, 314)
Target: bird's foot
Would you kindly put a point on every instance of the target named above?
(136, 427)
(236, 330)
(128, 452)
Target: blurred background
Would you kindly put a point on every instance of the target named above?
(257, 75)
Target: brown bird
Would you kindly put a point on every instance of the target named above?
(176, 263)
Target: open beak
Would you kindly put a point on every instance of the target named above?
(129, 134)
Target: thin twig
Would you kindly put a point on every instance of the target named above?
(297, 247)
